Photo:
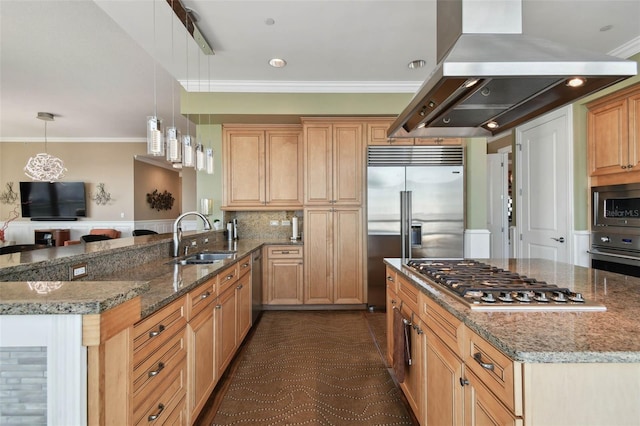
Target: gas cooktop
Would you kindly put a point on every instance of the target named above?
(488, 288)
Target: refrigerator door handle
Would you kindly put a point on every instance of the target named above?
(405, 224)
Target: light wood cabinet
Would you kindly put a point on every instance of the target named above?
(225, 323)
(377, 135)
(613, 124)
(243, 305)
(437, 141)
(201, 345)
(284, 275)
(262, 167)
(333, 255)
(159, 365)
(334, 159)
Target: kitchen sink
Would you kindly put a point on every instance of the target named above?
(206, 258)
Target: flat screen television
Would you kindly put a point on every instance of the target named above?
(53, 200)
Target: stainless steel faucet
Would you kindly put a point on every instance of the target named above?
(177, 230)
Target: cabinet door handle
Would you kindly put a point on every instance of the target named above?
(218, 306)
(630, 166)
(244, 265)
(205, 295)
(463, 382)
(623, 167)
(389, 278)
(156, 372)
(155, 333)
(239, 287)
(229, 277)
(153, 417)
(486, 365)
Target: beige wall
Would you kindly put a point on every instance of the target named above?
(147, 178)
(92, 163)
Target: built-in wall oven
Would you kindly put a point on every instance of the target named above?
(615, 230)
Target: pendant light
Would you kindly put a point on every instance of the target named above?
(209, 151)
(188, 148)
(200, 154)
(45, 167)
(174, 143)
(155, 138)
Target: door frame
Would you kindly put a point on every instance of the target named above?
(567, 113)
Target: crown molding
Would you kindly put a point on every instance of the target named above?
(264, 86)
(72, 140)
(628, 49)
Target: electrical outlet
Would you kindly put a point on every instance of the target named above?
(273, 222)
(78, 271)
(286, 222)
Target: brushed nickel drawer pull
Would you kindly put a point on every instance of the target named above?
(156, 372)
(239, 287)
(486, 365)
(229, 277)
(463, 382)
(153, 417)
(155, 333)
(245, 265)
(389, 278)
(205, 295)
(218, 306)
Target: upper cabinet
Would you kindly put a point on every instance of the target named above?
(377, 135)
(262, 167)
(334, 159)
(614, 137)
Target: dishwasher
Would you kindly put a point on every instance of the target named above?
(256, 285)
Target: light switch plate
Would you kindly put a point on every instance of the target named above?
(273, 223)
(78, 271)
(286, 223)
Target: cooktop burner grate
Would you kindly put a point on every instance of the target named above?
(486, 287)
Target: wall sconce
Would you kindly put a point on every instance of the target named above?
(102, 197)
(9, 196)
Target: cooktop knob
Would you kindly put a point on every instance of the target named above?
(559, 296)
(576, 297)
(505, 297)
(523, 297)
(541, 297)
(488, 297)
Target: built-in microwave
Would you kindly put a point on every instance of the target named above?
(615, 230)
(616, 205)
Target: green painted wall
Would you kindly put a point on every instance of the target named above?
(476, 183)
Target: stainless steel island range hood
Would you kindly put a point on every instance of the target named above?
(490, 77)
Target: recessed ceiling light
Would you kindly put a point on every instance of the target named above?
(492, 125)
(418, 63)
(269, 21)
(606, 28)
(576, 81)
(277, 62)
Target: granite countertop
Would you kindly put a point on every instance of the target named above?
(555, 337)
(157, 282)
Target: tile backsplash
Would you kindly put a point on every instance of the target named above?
(257, 225)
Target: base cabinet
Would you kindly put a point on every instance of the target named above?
(284, 275)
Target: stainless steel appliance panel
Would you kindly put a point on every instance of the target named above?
(436, 225)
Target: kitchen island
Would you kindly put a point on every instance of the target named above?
(90, 332)
(522, 367)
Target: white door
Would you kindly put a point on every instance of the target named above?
(545, 184)
(497, 204)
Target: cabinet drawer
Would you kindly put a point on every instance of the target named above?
(151, 371)
(244, 265)
(447, 327)
(408, 293)
(152, 332)
(497, 372)
(392, 279)
(162, 403)
(200, 298)
(227, 277)
(284, 252)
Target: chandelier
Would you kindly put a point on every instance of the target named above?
(45, 167)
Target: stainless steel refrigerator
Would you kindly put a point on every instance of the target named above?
(415, 208)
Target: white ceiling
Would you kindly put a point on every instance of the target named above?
(91, 62)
